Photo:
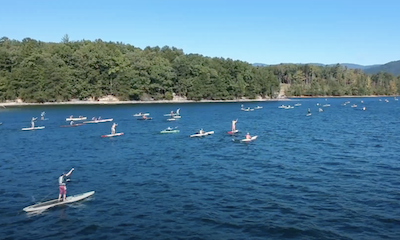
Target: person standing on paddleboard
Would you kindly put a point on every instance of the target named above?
(62, 183)
(234, 125)
(113, 128)
(33, 122)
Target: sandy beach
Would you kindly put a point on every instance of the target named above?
(117, 102)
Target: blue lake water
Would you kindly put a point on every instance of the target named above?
(332, 175)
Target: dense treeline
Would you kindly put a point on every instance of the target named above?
(36, 71)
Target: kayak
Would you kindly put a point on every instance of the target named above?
(52, 203)
(202, 134)
(76, 119)
(308, 114)
(73, 125)
(147, 118)
(35, 128)
(141, 114)
(171, 119)
(99, 121)
(112, 135)
(233, 132)
(249, 140)
(170, 131)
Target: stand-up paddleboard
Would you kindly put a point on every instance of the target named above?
(73, 125)
(35, 128)
(52, 203)
(99, 121)
(170, 131)
(147, 118)
(202, 134)
(141, 114)
(112, 135)
(249, 140)
(75, 118)
(233, 132)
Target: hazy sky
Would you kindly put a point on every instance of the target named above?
(263, 31)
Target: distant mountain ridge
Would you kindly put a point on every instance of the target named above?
(390, 67)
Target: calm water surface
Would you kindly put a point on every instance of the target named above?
(332, 175)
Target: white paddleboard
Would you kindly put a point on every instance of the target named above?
(202, 135)
(35, 128)
(99, 121)
(249, 140)
(52, 203)
(141, 114)
(112, 135)
(76, 119)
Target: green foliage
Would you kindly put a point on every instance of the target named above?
(48, 72)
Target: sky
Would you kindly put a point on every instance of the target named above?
(363, 32)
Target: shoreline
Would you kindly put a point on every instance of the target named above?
(114, 102)
(105, 102)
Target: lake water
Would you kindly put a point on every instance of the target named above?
(332, 175)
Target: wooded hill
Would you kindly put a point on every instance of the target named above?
(36, 71)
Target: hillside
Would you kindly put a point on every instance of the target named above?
(391, 67)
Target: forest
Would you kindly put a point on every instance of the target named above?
(37, 71)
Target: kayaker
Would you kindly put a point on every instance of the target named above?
(42, 115)
(33, 122)
(172, 114)
(309, 111)
(144, 116)
(234, 125)
(169, 129)
(201, 131)
(248, 136)
(113, 128)
(71, 123)
(62, 183)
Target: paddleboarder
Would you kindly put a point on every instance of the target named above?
(33, 122)
(113, 128)
(234, 125)
(62, 183)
